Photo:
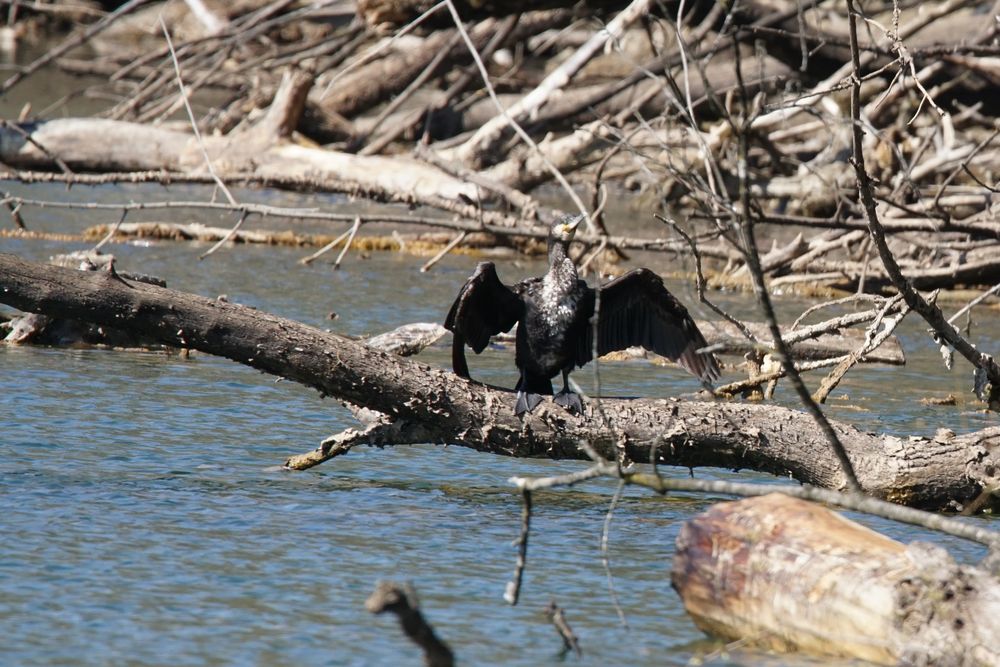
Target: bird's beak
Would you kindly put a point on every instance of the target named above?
(573, 224)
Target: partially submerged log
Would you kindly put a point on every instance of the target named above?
(423, 404)
(788, 575)
(416, 243)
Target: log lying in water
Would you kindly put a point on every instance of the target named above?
(790, 575)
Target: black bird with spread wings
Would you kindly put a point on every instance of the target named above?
(555, 332)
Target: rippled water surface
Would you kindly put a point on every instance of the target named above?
(146, 519)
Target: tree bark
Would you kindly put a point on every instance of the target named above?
(788, 575)
(430, 405)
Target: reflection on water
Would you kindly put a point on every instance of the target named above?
(146, 520)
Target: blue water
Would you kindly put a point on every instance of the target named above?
(146, 519)
(147, 522)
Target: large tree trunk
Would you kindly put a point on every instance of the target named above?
(788, 575)
(426, 404)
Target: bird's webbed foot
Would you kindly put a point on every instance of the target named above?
(569, 400)
(526, 402)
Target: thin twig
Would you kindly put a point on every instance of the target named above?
(513, 589)
(230, 234)
(194, 123)
(700, 283)
(347, 244)
(15, 211)
(849, 501)
(558, 618)
(29, 137)
(328, 247)
(444, 251)
(975, 302)
(111, 232)
(872, 341)
(606, 559)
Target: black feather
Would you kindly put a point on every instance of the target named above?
(637, 309)
(484, 308)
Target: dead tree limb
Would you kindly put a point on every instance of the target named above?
(929, 311)
(401, 600)
(430, 405)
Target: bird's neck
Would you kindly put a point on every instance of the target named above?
(559, 256)
(561, 266)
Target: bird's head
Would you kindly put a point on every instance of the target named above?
(565, 229)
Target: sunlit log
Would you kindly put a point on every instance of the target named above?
(788, 575)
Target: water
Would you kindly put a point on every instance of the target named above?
(147, 521)
(145, 517)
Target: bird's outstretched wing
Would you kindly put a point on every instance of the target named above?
(484, 307)
(637, 309)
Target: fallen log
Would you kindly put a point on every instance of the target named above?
(262, 151)
(416, 243)
(788, 575)
(423, 404)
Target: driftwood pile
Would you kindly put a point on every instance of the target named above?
(386, 99)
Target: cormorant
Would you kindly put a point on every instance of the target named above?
(555, 332)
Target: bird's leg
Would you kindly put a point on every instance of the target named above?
(567, 398)
(526, 402)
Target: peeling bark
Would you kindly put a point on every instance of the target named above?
(426, 404)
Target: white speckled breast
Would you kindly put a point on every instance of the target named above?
(558, 298)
